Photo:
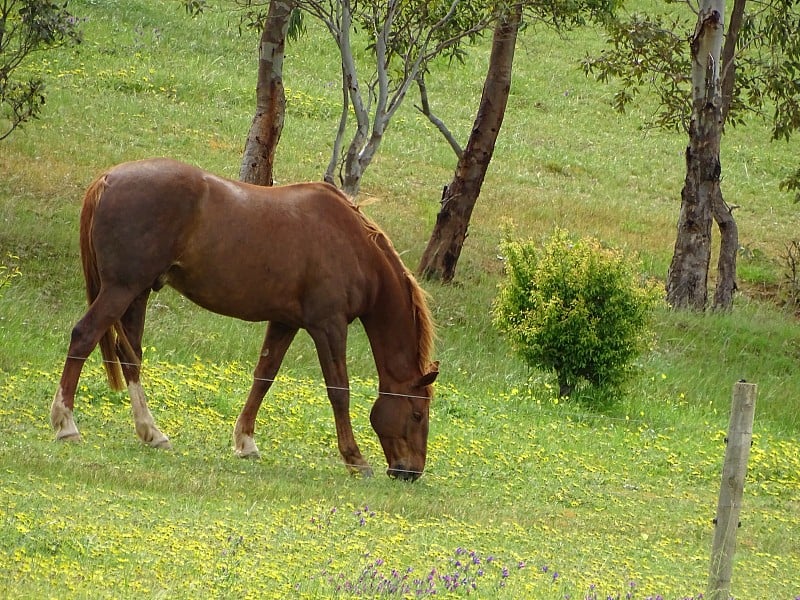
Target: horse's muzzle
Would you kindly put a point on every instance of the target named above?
(400, 471)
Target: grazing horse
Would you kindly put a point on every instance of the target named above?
(297, 256)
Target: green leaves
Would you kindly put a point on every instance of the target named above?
(27, 26)
(647, 53)
(574, 307)
(650, 53)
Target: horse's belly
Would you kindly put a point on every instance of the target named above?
(242, 297)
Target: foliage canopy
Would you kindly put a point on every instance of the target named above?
(27, 26)
(649, 52)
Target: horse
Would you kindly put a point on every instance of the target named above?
(299, 256)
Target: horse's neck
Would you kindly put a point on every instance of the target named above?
(392, 335)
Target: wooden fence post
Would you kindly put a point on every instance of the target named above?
(740, 436)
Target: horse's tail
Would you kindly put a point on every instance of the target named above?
(91, 275)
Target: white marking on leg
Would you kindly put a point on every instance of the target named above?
(61, 419)
(243, 445)
(143, 419)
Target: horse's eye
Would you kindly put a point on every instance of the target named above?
(417, 416)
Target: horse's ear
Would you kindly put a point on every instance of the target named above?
(430, 376)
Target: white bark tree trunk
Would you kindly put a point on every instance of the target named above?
(687, 279)
(375, 103)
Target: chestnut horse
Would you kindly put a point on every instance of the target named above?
(297, 256)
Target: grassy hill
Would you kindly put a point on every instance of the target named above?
(525, 495)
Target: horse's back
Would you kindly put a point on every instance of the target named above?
(289, 252)
(152, 187)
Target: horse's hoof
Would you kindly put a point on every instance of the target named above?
(69, 436)
(363, 470)
(250, 455)
(245, 447)
(153, 437)
(162, 444)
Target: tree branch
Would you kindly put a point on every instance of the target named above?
(425, 109)
(336, 152)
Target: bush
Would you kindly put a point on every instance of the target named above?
(576, 308)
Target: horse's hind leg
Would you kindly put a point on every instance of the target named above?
(129, 352)
(61, 410)
(277, 340)
(86, 334)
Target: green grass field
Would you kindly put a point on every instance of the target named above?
(525, 495)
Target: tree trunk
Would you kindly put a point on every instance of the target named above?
(728, 248)
(267, 125)
(403, 41)
(728, 75)
(723, 214)
(687, 279)
(688, 273)
(458, 199)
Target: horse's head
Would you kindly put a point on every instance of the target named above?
(400, 418)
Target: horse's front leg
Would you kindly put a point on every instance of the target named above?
(331, 346)
(339, 396)
(276, 341)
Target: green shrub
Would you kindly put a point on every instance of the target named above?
(576, 308)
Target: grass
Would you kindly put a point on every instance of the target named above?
(524, 495)
(521, 480)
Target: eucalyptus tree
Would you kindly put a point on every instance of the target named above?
(752, 66)
(258, 159)
(459, 197)
(276, 20)
(403, 37)
(26, 27)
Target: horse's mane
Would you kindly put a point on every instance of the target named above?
(426, 330)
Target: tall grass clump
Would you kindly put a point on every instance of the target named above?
(9, 270)
(576, 308)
